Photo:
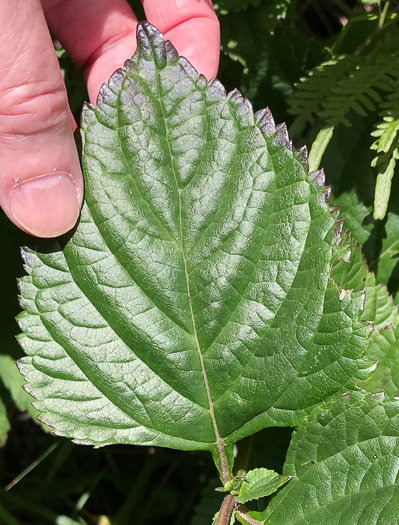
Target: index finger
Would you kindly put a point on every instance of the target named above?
(99, 35)
(193, 28)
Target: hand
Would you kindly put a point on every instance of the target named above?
(41, 185)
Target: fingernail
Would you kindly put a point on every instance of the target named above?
(46, 206)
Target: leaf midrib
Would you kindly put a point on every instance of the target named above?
(218, 441)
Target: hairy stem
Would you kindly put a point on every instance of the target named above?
(226, 509)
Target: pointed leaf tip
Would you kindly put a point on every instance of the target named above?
(150, 43)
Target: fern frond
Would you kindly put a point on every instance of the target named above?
(386, 132)
(343, 84)
(359, 83)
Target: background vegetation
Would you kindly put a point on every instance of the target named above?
(329, 69)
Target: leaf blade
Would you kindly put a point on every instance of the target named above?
(345, 461)
(259, 483)
(194, 300)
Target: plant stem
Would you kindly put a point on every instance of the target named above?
(32, 465)
(383, 16)
(380, 27)
(226, 509)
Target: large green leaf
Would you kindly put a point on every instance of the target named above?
(192, 306)
(344, 465)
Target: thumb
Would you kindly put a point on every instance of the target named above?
(41, 186)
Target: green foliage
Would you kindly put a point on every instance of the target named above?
(343, 464)
(340, 85)
(347, 162)
(379, 309)
(360, 82)
(384, 347)
(259, 483)
(264, 56)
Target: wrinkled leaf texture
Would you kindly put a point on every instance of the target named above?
(192, 306)
(378, 309)
(344, 465)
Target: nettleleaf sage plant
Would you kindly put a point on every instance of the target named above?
(195, 303)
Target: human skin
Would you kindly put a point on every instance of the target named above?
(41, 185)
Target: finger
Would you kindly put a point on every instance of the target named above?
(99, 35)
(192, 27)
(41, 186)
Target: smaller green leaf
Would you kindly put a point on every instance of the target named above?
(383, 188)
(344, 463)
(4, 424)
(233, 485)
(386, 132)
(259, 483)
(319, 147)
